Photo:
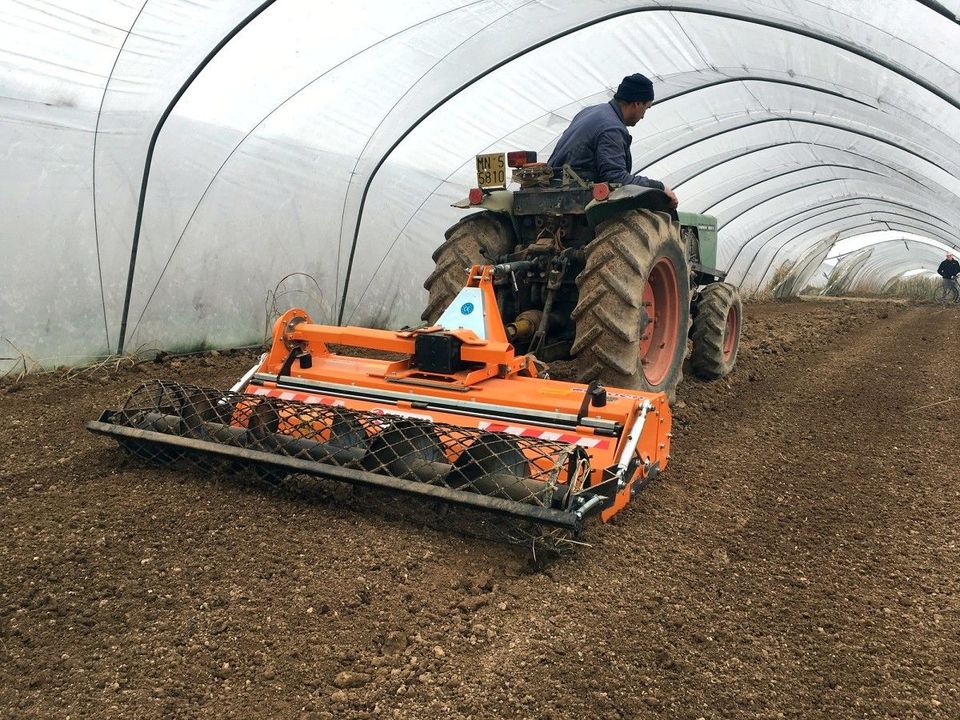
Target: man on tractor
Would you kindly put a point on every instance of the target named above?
(596, 145)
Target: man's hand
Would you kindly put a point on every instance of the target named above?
(673, 197)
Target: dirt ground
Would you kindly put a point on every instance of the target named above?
(798, 559)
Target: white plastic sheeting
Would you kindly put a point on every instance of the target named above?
(799, 274)
(81, 87)
(325, 141)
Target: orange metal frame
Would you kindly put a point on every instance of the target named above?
(496, 378)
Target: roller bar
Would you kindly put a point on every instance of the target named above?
(568, 519)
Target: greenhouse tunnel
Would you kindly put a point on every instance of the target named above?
(175, 171)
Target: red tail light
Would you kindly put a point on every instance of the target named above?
(519, 158)
(476, 196)
(601, 191)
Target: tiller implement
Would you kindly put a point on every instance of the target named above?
(456, 416)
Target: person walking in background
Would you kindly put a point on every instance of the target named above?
(948, 270)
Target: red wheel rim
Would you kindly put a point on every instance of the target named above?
(730, 333)
(661, 299)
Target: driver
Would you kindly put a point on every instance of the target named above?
(597, 145)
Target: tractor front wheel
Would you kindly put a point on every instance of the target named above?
(716, 331)
(473, 240)
(633, 312)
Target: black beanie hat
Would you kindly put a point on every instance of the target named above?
(635, 88)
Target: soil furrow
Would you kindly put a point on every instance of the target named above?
(798, 559)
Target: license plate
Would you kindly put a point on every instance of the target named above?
(491, 170)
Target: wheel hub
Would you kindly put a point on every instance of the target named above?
(660, 333)
(730, 334)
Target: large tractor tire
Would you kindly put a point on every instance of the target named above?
(633, 313)
(716, 331)
(460, 251)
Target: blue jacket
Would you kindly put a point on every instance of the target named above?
(597, 147)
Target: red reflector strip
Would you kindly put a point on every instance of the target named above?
(310, 399)
(297, 396)
(587, 442)
(476, 196)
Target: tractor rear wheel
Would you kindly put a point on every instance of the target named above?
(469, 242)
(716, 331)
(633, 312)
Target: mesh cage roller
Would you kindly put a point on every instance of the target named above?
(533, 481)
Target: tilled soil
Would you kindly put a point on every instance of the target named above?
(798, 559)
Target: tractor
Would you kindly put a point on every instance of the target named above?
(609, 275)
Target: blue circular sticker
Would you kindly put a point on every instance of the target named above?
(466, 308)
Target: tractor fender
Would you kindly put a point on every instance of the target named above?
(620, 200)
(628, 197)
